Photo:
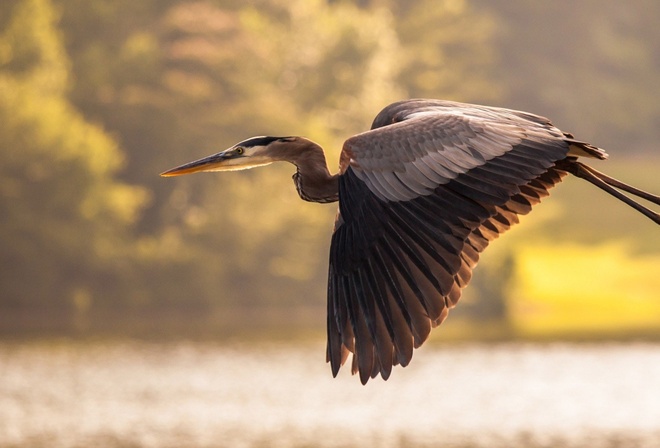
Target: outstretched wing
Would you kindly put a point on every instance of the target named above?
(421, 195)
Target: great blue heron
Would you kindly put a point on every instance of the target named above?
(420, 196)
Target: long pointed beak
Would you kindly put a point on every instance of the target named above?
(210, 163)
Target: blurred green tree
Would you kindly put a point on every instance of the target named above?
(64, 216)
(171, 80)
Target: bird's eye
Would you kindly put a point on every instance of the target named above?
(240, 150)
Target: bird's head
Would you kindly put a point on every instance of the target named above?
(250, 153)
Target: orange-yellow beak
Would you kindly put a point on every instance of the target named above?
(210, 163)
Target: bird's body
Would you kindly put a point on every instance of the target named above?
(420, 195)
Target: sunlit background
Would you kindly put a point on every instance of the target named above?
(137, 311)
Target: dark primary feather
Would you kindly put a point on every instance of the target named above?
(422, 195)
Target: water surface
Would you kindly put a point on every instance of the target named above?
(136, 394)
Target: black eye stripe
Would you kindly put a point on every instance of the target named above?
(258, 141)
(263, 141)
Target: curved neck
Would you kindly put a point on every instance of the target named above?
(313, 179)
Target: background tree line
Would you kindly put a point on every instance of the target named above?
(97, 98)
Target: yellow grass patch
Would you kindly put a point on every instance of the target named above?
(585, 289)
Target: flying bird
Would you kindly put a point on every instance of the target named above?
(421, 194)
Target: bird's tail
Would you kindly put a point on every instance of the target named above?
(612, 186)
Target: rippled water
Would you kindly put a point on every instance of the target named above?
(205, 395)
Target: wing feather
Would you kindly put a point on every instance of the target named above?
(422, 194)
(410, 297)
